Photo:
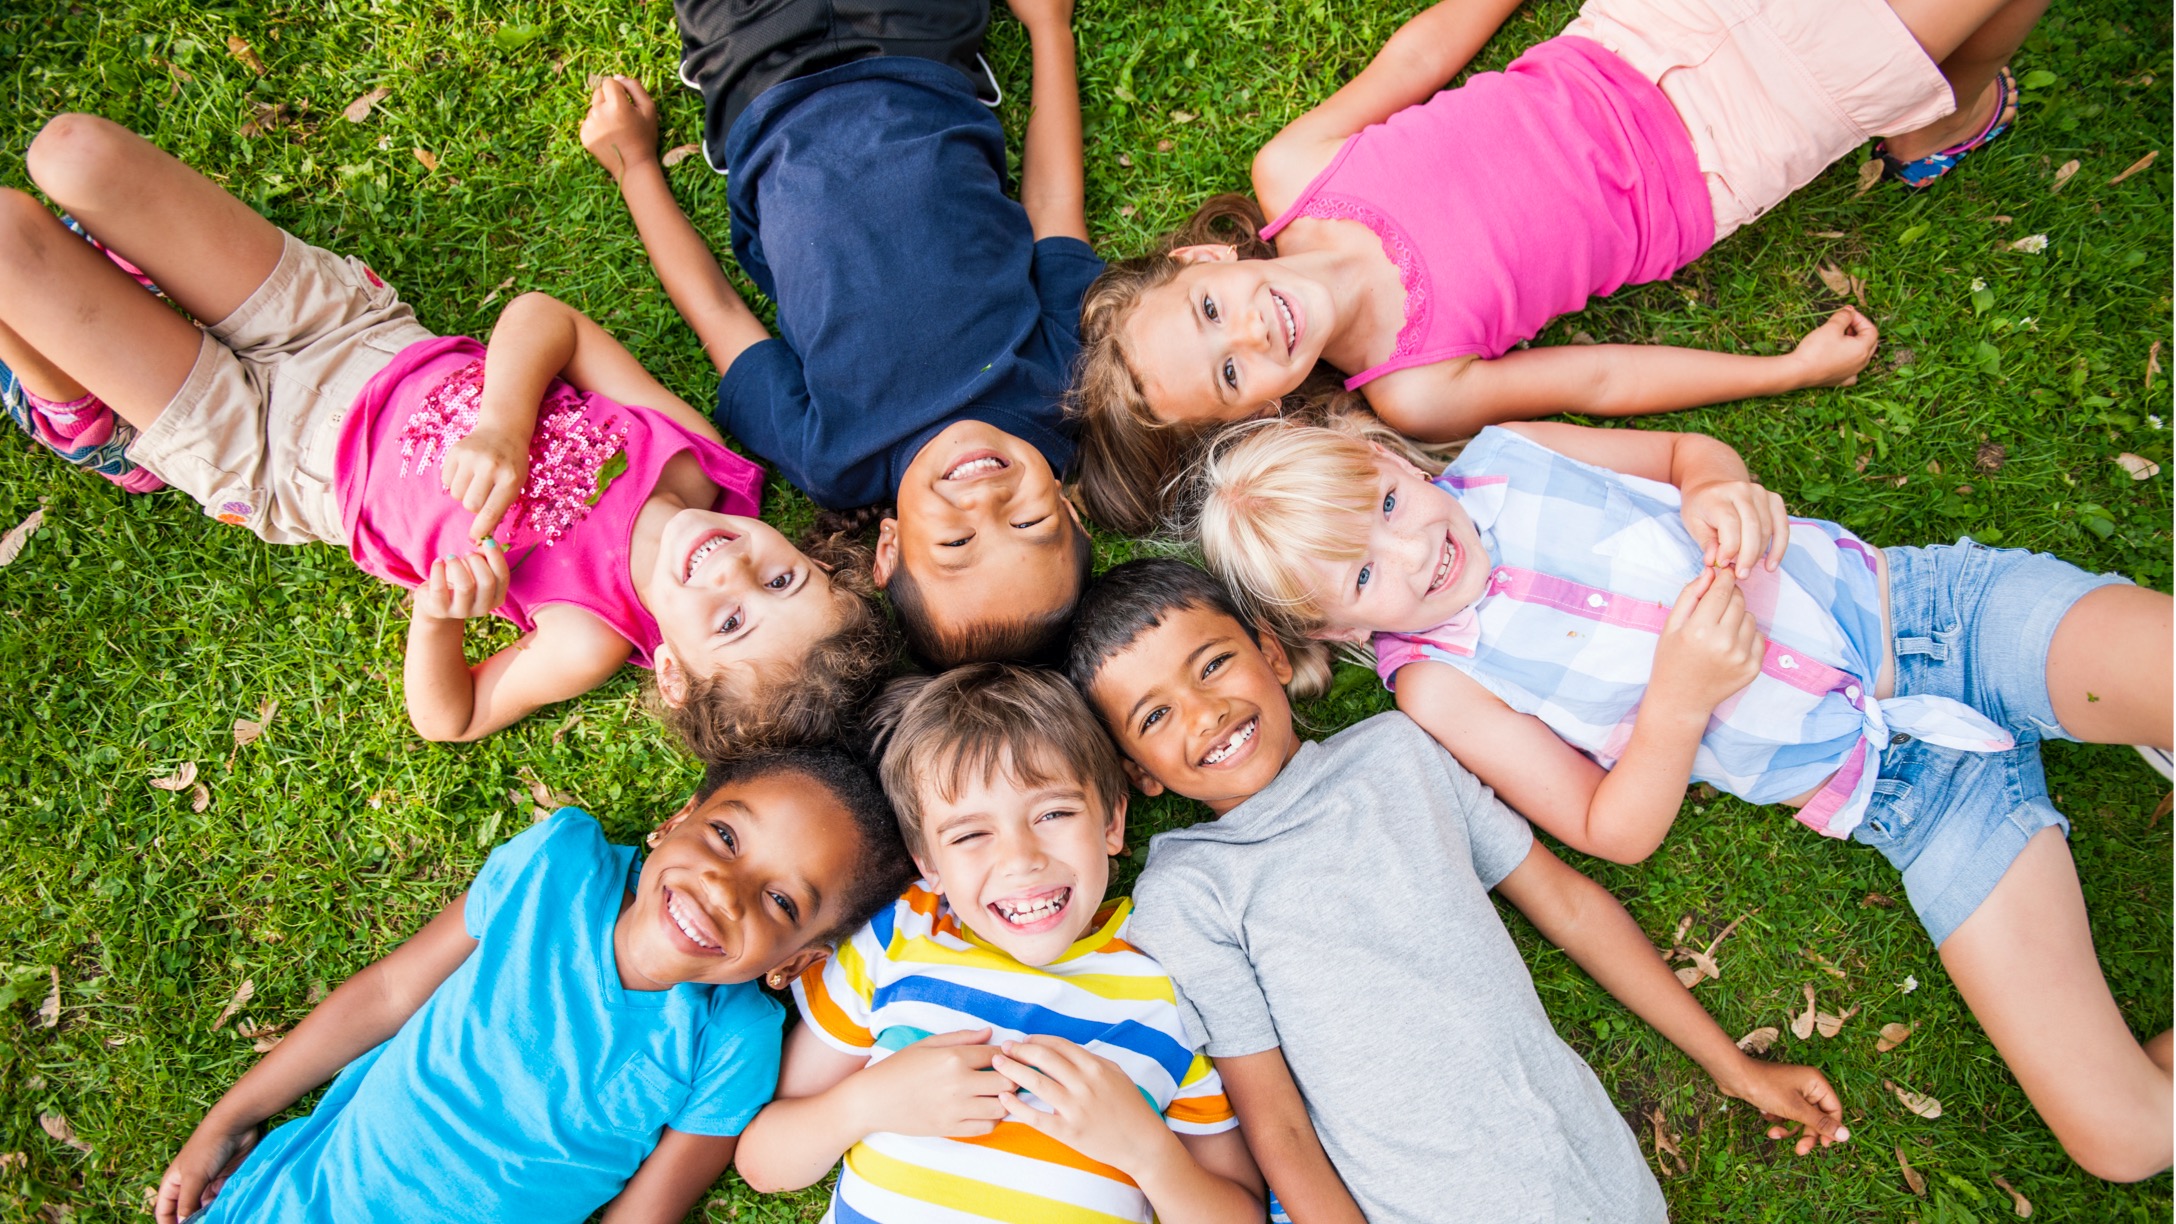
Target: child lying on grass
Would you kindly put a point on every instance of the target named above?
(576, 1029)
(926, 321)
(991, 1044)
(1595, 618)
(548, 479)
(1332, 933)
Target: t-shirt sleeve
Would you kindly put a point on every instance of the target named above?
(1200, 1108)
(763, 404)
(1064, 268)
(837, 994)
(1219, 995)
(1499, 838)
(529, 851)
(738, 1069)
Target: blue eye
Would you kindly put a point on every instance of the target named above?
(1390, 502)
(1366, 572)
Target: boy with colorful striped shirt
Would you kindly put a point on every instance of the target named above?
(991, 1046)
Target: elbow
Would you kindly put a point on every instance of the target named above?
(758, 1174)
(1621, 850)
(438, 731)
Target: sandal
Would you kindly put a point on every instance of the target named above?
(1922, 171)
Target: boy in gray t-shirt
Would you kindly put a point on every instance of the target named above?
(1332, 933)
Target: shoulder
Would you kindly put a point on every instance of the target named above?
(557, 857)
(743, 1009)
(568, 837)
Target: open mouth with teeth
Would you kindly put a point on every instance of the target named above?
(977, 463)
(1231, 745)
(709, 544)
(692, 923)
(1033, 913)
(1291, 325)
(1447, 565)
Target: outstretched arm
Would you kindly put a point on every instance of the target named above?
(621, 133)
(1581, 917)
(365, 1010)
(1455, 399)
(1273, 1116)
(672, 1178)
(1051, 178)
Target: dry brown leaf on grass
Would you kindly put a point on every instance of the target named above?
(1990, 457)
(1919, 1103)
(246, 730)
(489, 298)
(49, 1011)
(2018, 1202)
(239, 49)
(2168, 803)
(1163, 146)
(11, 544)
(359, 109)
(1892, 1036)
(1829, 1025)
(266, 117)
(1842, 283)
(14, 1160)
(1823, 963)
(428, 158)
(200, 797)
(2128, 171)
(1875, 900)
(1758, 1041)
(1826, 233)
(1912, 1176)
(1666, 1145)
(679, 153)
(1802, 1026)
(2140, 467)
(242, 995)
(180, 779)
(1869, 174)
(2063, 175)
(2153, 367)
(58, 1127)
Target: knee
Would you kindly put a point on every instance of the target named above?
(74, 155)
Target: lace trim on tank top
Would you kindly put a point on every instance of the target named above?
(567, 454)
(1411, 275)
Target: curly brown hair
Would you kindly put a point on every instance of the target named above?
(1128, 458)
(817, 700)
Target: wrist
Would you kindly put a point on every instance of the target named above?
(1730, 1069)
(1160, 1158)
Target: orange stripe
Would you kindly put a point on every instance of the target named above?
(827, 1014)
(1200, 1109)
(1020, 1139)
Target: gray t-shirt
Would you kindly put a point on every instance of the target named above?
(1343, 914)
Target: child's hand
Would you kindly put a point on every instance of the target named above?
(940, 1085)
(620, 130)
(1738, 524)
(1711, 647)
(1097, 1110)
(1798, 1099)
(463, 587)
(202, 1166)
(484, 472)
(1835, 352)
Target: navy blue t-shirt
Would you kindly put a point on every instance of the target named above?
(869, 203)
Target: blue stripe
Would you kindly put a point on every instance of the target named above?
(1174, 1058)
(843, 1212)
(882, 925)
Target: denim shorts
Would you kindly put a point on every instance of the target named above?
(1974, 624)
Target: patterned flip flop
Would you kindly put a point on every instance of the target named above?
(1923, 171)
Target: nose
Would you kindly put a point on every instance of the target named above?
(1020, 852)
(1202, 714)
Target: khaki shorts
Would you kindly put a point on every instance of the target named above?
(253, 431)
(1773, 91)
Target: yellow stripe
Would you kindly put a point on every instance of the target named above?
(856, 972)
(918, 952)
(964, 1193)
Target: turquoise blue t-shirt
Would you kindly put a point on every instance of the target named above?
(531, 1084)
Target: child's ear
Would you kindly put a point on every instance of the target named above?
(1143, 780)
(672, 679)
(1206, 252)
(886, 561)
(1114, 829)
(672, 822)
(1280, 663)
(783, 973)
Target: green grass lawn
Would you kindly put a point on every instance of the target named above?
(136, 631)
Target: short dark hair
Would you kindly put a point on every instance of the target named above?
(1033, 639)
(1133, 598)
(937, 731)
(883, 869)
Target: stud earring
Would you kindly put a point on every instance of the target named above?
(775, 980)
(656, 835)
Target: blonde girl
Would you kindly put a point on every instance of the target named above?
(1592, 619)
(1421, 236)
(548, 479)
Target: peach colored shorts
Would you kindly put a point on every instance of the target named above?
(1773, 91)
(253, 431)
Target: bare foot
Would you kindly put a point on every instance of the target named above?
(1961, 125)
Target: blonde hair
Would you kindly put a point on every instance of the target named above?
(1268, 499)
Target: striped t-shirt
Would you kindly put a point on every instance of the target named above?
(914, 971)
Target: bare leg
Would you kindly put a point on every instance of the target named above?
(49, 381)
(1970, 42)
(2110, 673)
(2024, 962)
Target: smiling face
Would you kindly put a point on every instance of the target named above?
(1226, 337)
(738, 885)
(728, 591)
(1199, 708)
(1422, 563)
(1023, 865)
(983, 529)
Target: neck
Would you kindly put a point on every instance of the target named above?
(1369, 297)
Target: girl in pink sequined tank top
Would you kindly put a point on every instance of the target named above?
(548, 479)
(1422, 235)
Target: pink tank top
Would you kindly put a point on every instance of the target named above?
(1517, 196)
(566, 538)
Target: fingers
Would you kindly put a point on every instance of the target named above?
(493, 501)
(467, 586)
(964, 1037)
(639, 95)
(1729, 531)
(1028, 1077)
(1687, 600)
(1779, 533)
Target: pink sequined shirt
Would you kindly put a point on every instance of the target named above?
(566, 541)
(1516, 196)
